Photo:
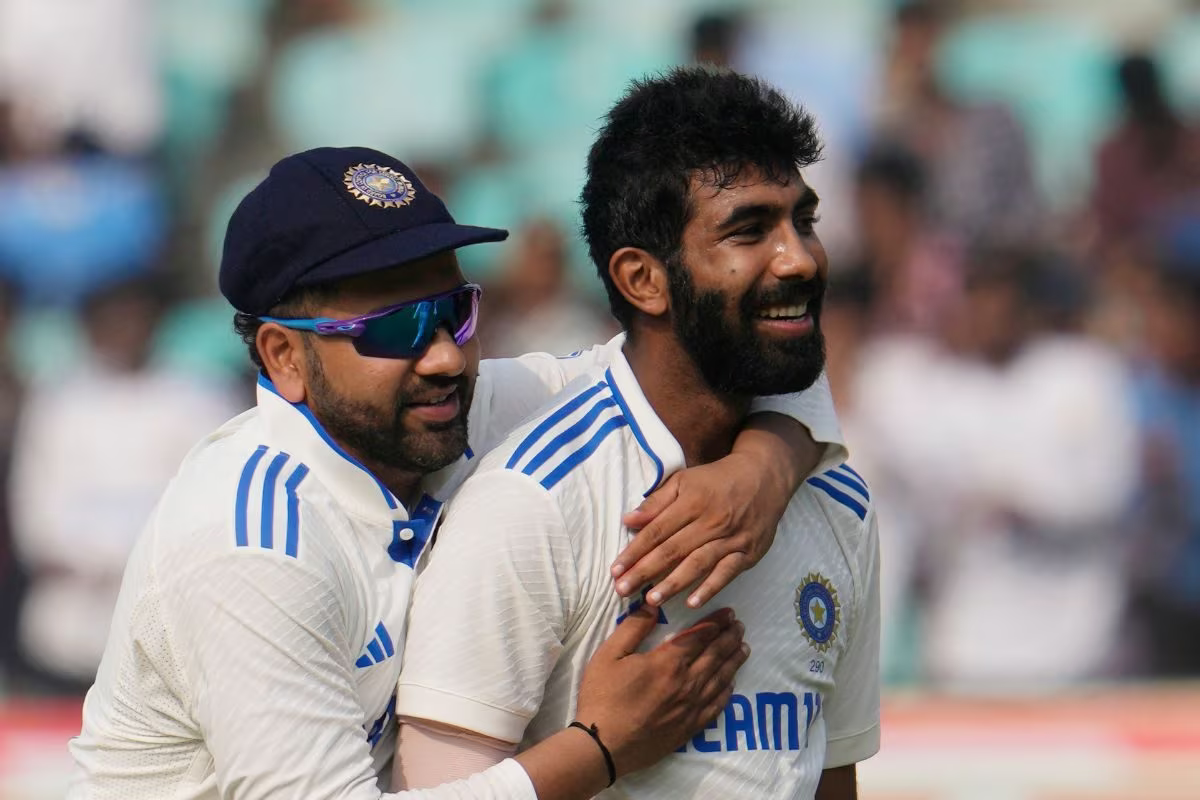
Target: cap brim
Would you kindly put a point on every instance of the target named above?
(401, 247)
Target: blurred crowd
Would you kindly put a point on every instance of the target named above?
(1011, 199)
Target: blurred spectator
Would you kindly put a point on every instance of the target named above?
(1148, 163)
(1165, 552)
(915, 273)
(531, 307)
(75, 220)
(69, 66)
(715, 38)
(12, 577)
(72, 217)
(1004, 457)
(981, 181)
(93, 451)
(846, 320)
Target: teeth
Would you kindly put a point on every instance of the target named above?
(433, 401)
(781, 312)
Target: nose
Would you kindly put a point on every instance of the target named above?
(443, 357)
(796, 256)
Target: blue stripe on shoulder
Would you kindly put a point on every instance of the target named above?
(837, 494)
(270, 491)
(550, 421)
(846, 480)
(268, 499)
(580, 455)
(241, 535)
(291, 545)
(558, 443)
(849, 469)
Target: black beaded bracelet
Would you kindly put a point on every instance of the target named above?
(608, 759)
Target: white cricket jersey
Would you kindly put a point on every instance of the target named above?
(516, 597)
(258, 636)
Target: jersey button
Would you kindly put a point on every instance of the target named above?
(406, 534)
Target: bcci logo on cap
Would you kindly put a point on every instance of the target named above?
(817, 610)
(379, 186)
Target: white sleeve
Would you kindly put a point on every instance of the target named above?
(491, 609)
(812, 408)
(509, 390)
(262, 641)
(852, 712)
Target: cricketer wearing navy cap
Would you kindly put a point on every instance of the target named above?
(257, 642)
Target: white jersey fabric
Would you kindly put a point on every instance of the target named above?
(260, 627)
(516, 597)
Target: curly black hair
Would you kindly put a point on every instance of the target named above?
(668, 128)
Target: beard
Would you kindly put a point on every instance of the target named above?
(732, 356)
(377, 434)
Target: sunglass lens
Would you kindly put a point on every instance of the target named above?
(395, 335)
(407, 331)
(466, 313)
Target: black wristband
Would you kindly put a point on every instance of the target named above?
(608, 759)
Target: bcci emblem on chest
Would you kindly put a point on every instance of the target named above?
(817, 610)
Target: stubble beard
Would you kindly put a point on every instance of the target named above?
(378, 436)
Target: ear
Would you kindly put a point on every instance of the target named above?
(282, 352)
(642, 279)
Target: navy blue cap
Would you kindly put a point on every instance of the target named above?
(332, 213)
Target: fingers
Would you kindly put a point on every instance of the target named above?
(699, 564)
(729, 567)
(718, 651)
(652, 506)
(672, 543)
(629, 635)
(666, 520)
(715, 693)
(687, 645)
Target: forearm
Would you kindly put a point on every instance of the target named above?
(773, 438)
(566, 766)
(504, 781)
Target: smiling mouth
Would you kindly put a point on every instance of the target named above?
(794, 311)
(436, 399)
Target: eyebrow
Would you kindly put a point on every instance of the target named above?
(753, 211)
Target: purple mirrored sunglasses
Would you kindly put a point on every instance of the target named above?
(404, 330)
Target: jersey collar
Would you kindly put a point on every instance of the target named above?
(649, 430)
(295, 427)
